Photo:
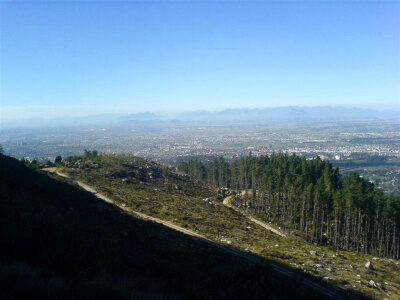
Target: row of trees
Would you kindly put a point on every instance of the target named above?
(312, 197)
(36, 164)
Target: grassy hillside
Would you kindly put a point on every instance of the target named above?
(60, 242)
(155, 190)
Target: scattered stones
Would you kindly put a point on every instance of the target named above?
(313, 252)
(318, 265)
(206, 200)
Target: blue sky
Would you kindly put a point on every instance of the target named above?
(76, 58)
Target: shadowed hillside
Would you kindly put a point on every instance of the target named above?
(57, 241)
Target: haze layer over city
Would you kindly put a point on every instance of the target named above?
(272, 77)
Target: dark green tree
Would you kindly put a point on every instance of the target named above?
(58, 160)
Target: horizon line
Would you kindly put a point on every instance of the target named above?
(124, 110)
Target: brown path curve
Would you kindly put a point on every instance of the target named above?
(227, 201)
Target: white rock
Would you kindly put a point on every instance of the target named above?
(368, 265)
(372, 283)
(313, 252)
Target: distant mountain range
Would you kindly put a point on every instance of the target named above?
(290, 114)
(143, 116)
(275, 114)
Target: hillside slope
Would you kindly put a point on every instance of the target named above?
(58, 241)
(131, 183)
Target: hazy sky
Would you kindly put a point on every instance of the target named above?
(94, 57)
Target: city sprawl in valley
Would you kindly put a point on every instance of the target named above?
(371, 148)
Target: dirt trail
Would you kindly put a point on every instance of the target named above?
(227, 201)
(251, 257)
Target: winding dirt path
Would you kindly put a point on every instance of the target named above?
(227, 202)
(251, 257)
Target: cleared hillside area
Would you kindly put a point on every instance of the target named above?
(155, 190)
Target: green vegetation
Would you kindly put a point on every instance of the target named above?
(312, 197)
(60, 242)
(158, 191)
(58, 160)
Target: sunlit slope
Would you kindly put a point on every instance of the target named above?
(160, 192)
(60, 242)
(155, 190)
